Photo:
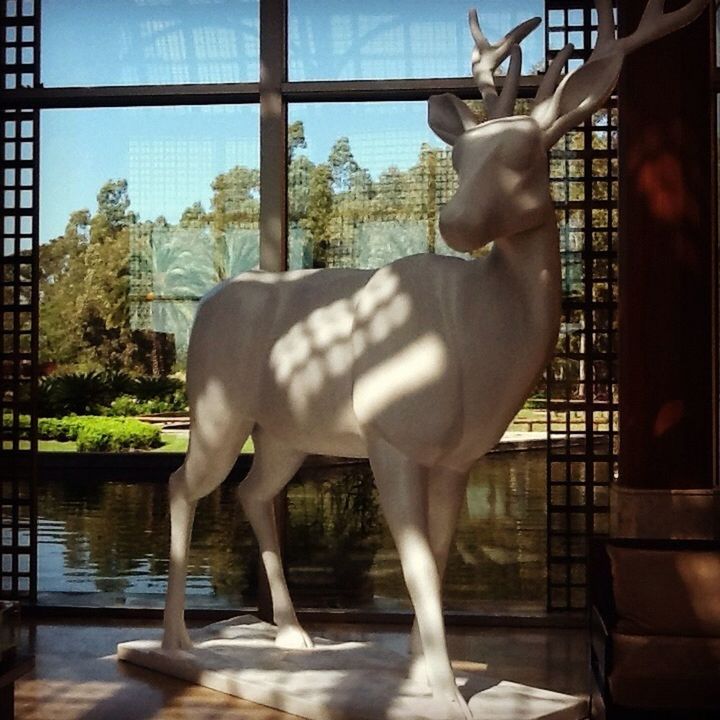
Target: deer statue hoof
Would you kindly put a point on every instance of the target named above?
(177, 639)
(417, 669)
(293, 637)
(458, 708)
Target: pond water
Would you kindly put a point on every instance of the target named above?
(106, 542)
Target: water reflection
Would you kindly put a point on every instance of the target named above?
(111, 537)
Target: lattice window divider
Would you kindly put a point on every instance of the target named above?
(582, 390)
(20, 63)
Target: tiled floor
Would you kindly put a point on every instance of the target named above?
(77, 677)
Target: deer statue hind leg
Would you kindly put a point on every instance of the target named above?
(402, 487)
(273, 467)
(209, 459)
(445, 499)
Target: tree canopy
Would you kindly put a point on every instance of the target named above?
(115, 288)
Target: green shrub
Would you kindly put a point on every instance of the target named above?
(62, 429)
(117, 382)
(116, 434)
(129, 405)
(123, 406)
(95, 438)
(73, 393)
(537, 401)
(98, 434)
(148, 387)
(93, 393)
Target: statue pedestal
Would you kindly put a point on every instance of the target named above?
(334, 681)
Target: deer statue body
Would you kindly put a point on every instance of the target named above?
(418, 366)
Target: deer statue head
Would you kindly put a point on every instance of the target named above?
(501, 163)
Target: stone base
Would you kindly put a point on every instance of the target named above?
(334, 681)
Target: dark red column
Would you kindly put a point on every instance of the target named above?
(667, 260)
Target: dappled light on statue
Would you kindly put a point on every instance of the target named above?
(390, 381)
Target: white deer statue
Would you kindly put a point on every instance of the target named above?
(418, 366)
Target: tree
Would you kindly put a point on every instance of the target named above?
(295, 138)
(84, 288)
(342, 164)
(236, 198)
(112, 213)
(299, 173)
(319, 213)
(389, 201)
(194, 216)
(61, 281)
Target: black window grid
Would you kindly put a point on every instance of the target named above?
(582, 389)
(19, 61)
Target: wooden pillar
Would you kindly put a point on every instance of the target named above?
(667, 364)
(273, 195)
(273, 137)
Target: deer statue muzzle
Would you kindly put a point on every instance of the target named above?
(418, 366)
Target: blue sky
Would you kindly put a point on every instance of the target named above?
(170, 155)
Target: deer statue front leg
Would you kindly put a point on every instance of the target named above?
(402, 491)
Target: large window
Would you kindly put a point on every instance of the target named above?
(365, 183)
(135, 42)
(161, 163)
(145, 210)
(337, 40)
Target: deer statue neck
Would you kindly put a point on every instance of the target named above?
(533, 250)
(530, 261)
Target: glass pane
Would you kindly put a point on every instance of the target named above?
(365, 184)
(136, 42)
(81, 562)
(340, 553)
(337, 40)
(142, 211)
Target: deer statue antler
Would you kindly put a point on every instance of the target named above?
(550, 80)
(450, 116)
(655, 22)
(486, 58)
(560, 104)
(584, 90)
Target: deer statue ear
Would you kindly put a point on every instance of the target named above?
(578, 96)
(449, 117)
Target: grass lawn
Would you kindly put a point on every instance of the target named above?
(538, 419)
(171, 443)
(178, 443)
(55, 446)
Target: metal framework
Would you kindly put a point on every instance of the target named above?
(582, 390)
(18, 401)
